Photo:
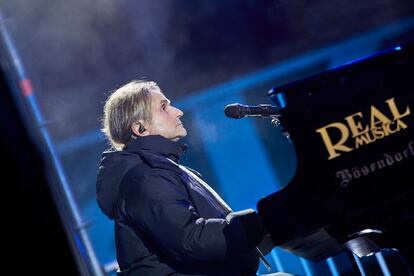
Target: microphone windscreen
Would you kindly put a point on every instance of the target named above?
(233, 111)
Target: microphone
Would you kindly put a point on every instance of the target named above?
(238, 111)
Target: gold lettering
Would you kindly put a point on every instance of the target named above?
(401, 124)
(380, 127)
(378, 132)
(377, 117)
(363, 139)
(332, 148)
(388, 128)
(356, 127)
(394, 110)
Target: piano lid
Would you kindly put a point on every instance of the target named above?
(353, 131)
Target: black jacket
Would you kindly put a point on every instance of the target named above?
(166, 222)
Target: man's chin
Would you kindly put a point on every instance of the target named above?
(181, 135)
(184, 132)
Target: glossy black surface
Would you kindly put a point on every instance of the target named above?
(318, 212)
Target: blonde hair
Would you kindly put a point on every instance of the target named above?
(126, 105)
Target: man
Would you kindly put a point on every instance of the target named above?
(168, 221)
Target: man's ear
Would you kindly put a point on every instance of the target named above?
(138, 129)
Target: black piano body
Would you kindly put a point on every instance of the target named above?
(353, 131)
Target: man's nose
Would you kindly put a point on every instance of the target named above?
(180, 113)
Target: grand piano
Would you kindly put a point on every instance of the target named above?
(353, 131)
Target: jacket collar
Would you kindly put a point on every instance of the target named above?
(157, 144)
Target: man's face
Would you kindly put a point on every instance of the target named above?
(165, 118)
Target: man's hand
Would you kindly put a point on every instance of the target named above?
(251, 224)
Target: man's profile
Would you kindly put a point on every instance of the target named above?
(168, 221)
